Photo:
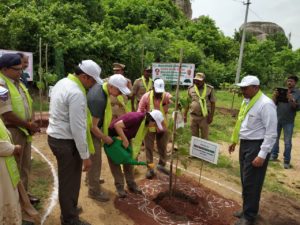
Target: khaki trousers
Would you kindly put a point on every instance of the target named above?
(197, 123)
(24, 159)
(118, 175)
(93, 175)
(161, 142)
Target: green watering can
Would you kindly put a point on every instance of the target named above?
(119, 155)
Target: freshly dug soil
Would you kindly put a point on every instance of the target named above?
(191, 204)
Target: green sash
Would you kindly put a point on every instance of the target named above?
(108, 111)
(138, 139)
(17, 102)
(147, 87)
(242, 114)
(10, 161)
(202, 99)
(89, 122)
(121, 100)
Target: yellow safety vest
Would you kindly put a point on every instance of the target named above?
(17, 102)
(10, 161)
(89, 122)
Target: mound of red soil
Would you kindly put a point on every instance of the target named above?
(191, 204)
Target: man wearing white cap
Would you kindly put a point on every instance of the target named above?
(156, 99)
(202, 101)
(69, 135)
(120, 103)
(102, 110)
(256, 129)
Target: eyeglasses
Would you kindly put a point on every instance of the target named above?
(16, 69)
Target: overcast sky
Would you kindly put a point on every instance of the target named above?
(230, 14)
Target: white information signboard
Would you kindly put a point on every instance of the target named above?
(203, 149)
(170, 71)
(29, 69)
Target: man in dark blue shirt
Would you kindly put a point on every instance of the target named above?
(286, 112)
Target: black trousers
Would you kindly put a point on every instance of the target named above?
(69, 166)
(252, 178)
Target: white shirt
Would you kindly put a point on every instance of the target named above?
(67, 118)
(261, 123)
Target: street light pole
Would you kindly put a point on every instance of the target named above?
(238, 71)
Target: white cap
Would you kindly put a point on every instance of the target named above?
(158, 117)
(248, 81)
(3, 90)
(159, 86)
(120, 82)
(92, 69)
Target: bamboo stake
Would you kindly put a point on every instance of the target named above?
(174, 126)
(40, 78)
(200, 171)
(46, 70)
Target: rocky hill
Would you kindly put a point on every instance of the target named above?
(262, 29)
(185, 6)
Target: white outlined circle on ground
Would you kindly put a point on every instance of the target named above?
(54, 195)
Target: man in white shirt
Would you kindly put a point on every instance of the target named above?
(68, 135)
(256, 128)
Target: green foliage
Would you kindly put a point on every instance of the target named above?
(137, 33)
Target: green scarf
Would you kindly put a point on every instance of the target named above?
(202, 100)
(121, 100)
(89, 122)
(138, 139)
(108, 111)
(147, 87)
(242, 114)
(10, 161)
(17, 102)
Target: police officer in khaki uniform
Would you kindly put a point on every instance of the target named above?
(202, 103)
(16, 112)
(120, 104)
(141, 86)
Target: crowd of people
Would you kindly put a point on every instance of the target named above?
(87, 112)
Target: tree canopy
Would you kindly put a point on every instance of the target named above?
(137, 33)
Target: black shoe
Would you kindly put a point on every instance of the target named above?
(135, 190)
(27, 223)
(273, 158)
(287, 166)
(243, 221)
(163, 169)
(79, 209)
(75, 222)
(238, 214)
(100, 196)
(33, 200)
(101, 181)
(150, 174)
(121, 192)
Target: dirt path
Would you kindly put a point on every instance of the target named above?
(275, 210)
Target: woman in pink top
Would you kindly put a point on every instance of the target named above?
(160, 100)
